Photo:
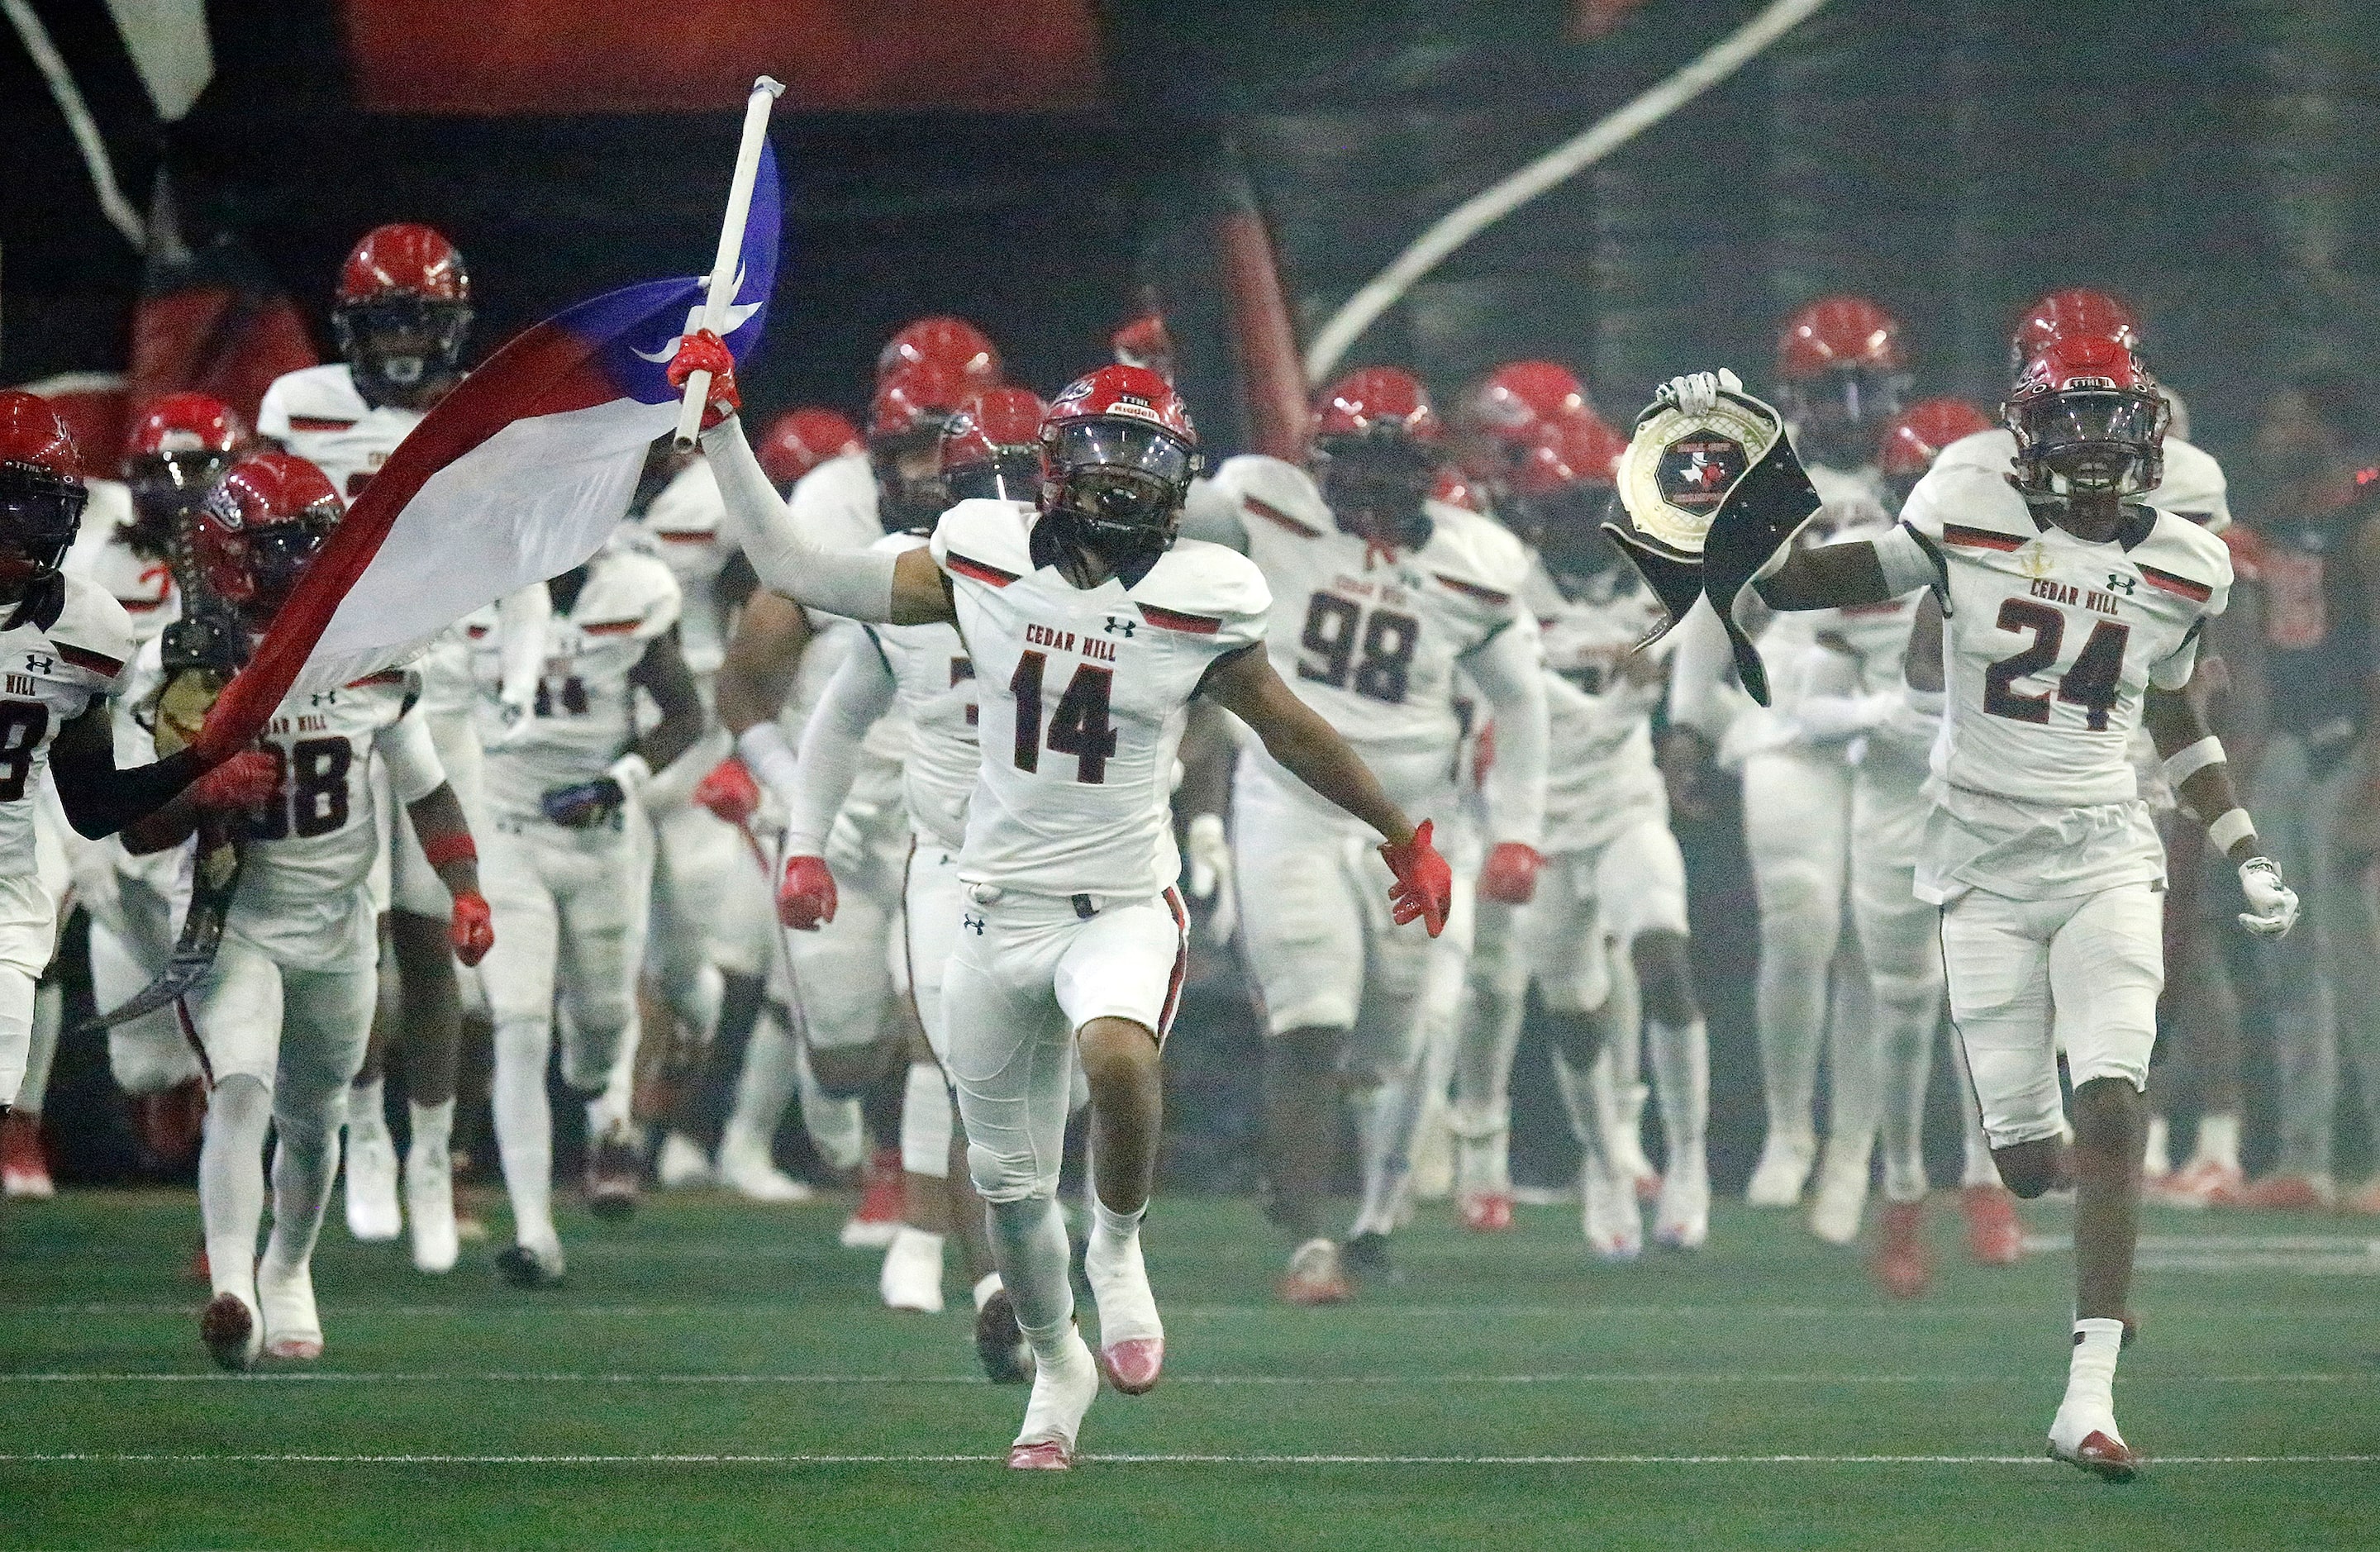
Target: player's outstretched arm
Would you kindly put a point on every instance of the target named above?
(1510, 670)
(2194, 763)
(662, 673)
(1828, 577)
(445, 836)
(101, 800)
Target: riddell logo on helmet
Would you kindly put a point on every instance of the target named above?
(1134, 405)
(1697, 472)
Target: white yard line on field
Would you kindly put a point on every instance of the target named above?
(312, 1459)
(533, 1377)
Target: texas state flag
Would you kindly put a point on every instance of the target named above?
(516, 476)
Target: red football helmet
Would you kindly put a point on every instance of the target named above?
(1576, 448)
(1561, 490)
(1376, 440)
(1119, 451)
(403, 308)
(42, 492)
(2088, 419)
(904, 433)
(800, 439)
(1145, 342)
(992, 447)
(1843, 370)
(180, 448)
(2076, 310)
(951, 343)
(258, 530)
(1915, 437)
(1515, 403)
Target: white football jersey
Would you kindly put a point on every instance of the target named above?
(1600, 774)
(2194, 486)
(1367, 636)
(933, 680)
(145, 587)
(2051, 642)
(303, 890)
(836, 502)
(1082, 694)
(681, 530)
(586, 702)
(56, 658)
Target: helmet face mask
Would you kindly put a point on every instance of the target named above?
(910, 491)
(397, 346)
(1835, 415)
(167, 488)
(40, 514)
(1375, 486)
(2088, 442)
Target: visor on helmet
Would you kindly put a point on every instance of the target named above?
(2088, 439)
(278, 556)
(1009, 474)
(1082, 446)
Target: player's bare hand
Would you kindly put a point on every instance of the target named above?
(1698, 392)
(730, 792)
(1425, 884)
(473, 930)
(1509, 877)
(242, 782)
(704, 351)
(2272, 904)
(806, 893)
(1207, 850)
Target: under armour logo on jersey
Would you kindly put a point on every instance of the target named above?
(40, 662)
(973, 924)
(1119, 626)
(2119, 583)
(323, 697)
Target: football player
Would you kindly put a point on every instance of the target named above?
(401, 313)
(282, 1019)
(2072, 615)
(566, 877)
(1390, 593)
(1089, 629)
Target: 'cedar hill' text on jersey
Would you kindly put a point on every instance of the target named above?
(1082, 694)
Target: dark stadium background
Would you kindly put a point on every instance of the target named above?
(2211, 162)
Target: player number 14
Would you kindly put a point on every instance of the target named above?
(1079, 726)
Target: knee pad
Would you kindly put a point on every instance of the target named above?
(1800, 916)
(1004, 1176)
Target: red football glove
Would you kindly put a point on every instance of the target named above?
(730, 792)
(242, 782)
(1511, 876)
(806, 894)
(706, 352)
(472, 932)
(1425, 884)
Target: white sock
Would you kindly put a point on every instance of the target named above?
(1116, 1228)
(1118, 1277)
(1682, 1081)
(926, 1122)
(433, 1130)
(1490, 1034)
(985, 1287)
(837, 1126)
(231, 1181)
(1588, 1122)
(305, 1161)
(2091, 1380)
(525, 1131)
(771, 1069)
(2218, 1140)
(1028, 1241)
(367, 1107)
(2156, 1150)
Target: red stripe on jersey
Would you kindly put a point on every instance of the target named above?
(140, 605)
(989, 575)
(1272, 514)
(318, 423)
(89, 662)
(689, 536)
(2196, 593)
(1181, 966)
(1980, 539)
(610, 627)
(1473, 589)
(1167, 619)
(386, 676)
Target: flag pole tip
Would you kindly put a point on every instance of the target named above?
(770, 85)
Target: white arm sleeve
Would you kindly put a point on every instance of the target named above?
(1905, 560)
(857, 584)
(1510, 670)
(413, 769)
(860, 692)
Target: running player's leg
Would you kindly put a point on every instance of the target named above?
(599, 901)
(1901, 939)
(1795, 814)
(1384, 1063)
(1641, 899)
(678, 962)
(519, 976)
(1997, 951)
(372, 1210)
(1496, 991)
(842, 981)
(1571, 968)
(2106, 969)
(912, 1274)
(236, 1016)
(326, 1020)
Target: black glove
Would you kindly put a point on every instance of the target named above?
(585, 804)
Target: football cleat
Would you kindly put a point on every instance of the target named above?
(24, 1171)
(2103, 1455)
(1682, 1216)
(1063, 1392)
(1901, 1266)
(1047, 1456)
(372, 1213)
(1313, 1277)
(1000, 1343)
(878, 1217)
(614, 1171)
(1134, 1364)
(1995, 1238)
(286, 1299)
(231, 1330)
(524, 1267)
(911, 1277)
(2202, 1183)
(1613, 1221)
(681, 1164)
(430, 1209)
(1784, 1167)
(747, 1169)
(1366, 1255)
(1486, 1212)
(1841, 1197)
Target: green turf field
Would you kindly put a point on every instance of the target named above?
(718, 1375)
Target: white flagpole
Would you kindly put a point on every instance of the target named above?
(724, 264)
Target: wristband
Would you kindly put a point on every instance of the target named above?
(2233, 827)
(456, 847)
(631, 771)
(2183, 763)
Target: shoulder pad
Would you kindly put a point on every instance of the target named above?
(630, 594)
(319, 398)
(2182, 558)
(1203, 590)
(985, 540)
(2194, 486)
(1477, 556)
(1969, 501)
(1276, 495)
(93, 632)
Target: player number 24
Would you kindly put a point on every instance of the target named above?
(2092, 682)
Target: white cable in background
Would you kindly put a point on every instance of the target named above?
(112, 202)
